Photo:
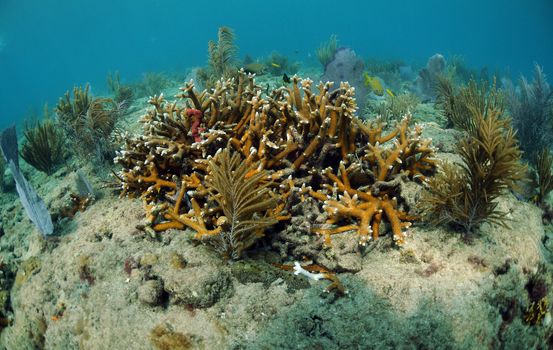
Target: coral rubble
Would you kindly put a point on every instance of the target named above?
(295, 143)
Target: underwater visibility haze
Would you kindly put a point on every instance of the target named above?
(47, 46)
(276, 175)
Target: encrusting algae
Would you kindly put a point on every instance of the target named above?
(296, 142)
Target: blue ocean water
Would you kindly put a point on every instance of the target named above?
(48, 46)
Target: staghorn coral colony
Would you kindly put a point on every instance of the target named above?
(298, 143)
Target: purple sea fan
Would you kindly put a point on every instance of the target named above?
(347, 66)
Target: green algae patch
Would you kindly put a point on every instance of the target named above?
(27, 269)
(163, 337)
(261, 272)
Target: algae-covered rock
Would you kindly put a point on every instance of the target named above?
(165, 338)
(4, 299)
(363, 320)
(177, 261)
(28, 267)
(261, 272)
(199, 286)
(148, 259)
(151, 292)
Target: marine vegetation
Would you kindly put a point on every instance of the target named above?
(393, 107)
(531, 107)
(34, 205)
(222, 61)
(278, 64)
(315, 324)
(311, 144)
(537, 290)
(463, 105)
(543, 176)
(519, 307)
(123, 94)
(43, 145)
(3, 168)
(459, 71)
(244, 197)
(88, 122)
(427, 80)
(163, 337)
(152, 83)
(377, 66)
(387, 70)
(325, 52)
(464, 196)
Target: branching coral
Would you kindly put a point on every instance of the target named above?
(377, 176)
(294, 133)
(466, 196)
(43, 147)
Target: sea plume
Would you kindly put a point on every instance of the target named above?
(464, 196)
(243, 195)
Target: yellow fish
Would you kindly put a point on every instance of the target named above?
(374, 84)
(276, 65)
(389, 92)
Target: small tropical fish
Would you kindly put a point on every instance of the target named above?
(254, 68)
(285, 78)
(276, 65)
(374, 83)
(389, 92)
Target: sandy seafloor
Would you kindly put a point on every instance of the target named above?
(103, 283)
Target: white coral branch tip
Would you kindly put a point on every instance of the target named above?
(298, 270)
